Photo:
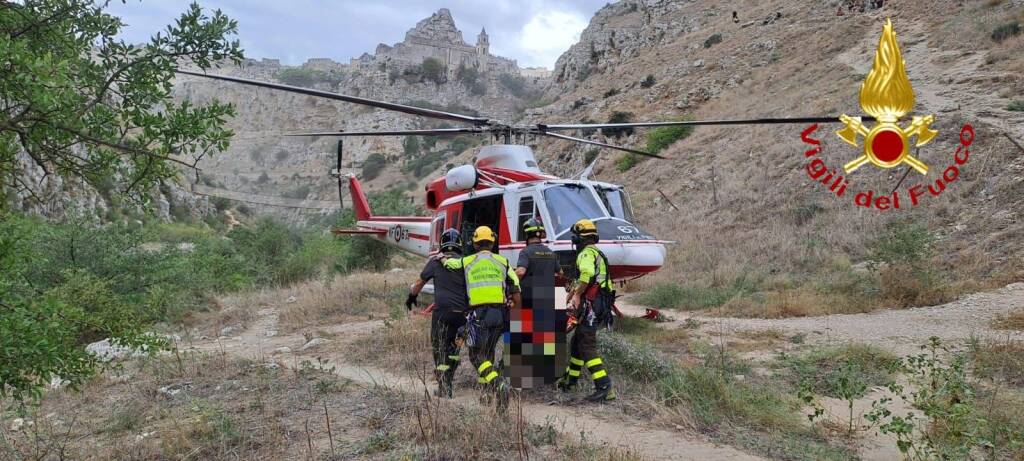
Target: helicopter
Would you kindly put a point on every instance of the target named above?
(504, 187)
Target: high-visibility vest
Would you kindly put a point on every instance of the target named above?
(592, 257)
(485, 278)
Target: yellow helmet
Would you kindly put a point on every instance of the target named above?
(584, 228)
(483, 234)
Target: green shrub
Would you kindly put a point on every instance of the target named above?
(826, 370)
(611, 92)
(647, 82)
(1016, 105)
(619, 117)
(373, 165)
(713, 40)
(299, 192)
(627, 161)
(515, 84)
(433, 70)
(694, 297)
(410, 146)
(1005, 31)
(658, 139)
(903, 243)
(590, 155)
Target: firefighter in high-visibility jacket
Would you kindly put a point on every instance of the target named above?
(490, 283)
(592, 302)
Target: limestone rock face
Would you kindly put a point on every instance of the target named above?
(261, 161)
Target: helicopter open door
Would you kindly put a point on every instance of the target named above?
(482, 211)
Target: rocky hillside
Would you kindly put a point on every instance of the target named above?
(742, 203)
(432, 67)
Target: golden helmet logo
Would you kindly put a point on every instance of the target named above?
(886, 94)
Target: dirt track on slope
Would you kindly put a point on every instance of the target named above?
(901, 331)
(257, 343)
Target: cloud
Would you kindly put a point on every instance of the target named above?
(548, 34)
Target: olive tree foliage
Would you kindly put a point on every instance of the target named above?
(79, 102)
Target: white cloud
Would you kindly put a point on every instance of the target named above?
(547, 35)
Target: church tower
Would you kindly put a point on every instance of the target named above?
(482, 43)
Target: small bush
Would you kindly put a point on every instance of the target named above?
(515, 84)
(1016, 105)
(373, 165)
(648, 82)
(903, 243)
(410, 146)
(658, 139)
(627, 161)
(611, 92)
(1005, 31)
(590, 155)
(693, 297)
(619, 117)
(824, 370)
(713, 40)
(433, 70)
(299, 192)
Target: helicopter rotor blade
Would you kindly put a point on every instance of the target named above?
(601, 144)
(433, 132)
(437, 114)
(749, 121)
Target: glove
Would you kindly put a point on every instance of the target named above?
(410, 302)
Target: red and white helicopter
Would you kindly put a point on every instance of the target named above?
(504, 187)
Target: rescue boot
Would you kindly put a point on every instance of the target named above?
(602, 394)
(567, 384)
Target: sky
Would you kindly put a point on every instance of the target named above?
(533, 32)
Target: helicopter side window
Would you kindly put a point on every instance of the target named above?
(527, 210)
(568, 203)
(617, 203)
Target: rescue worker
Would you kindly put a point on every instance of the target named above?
(592, 300)
(536, 260)
(489, 280)
(450, 308)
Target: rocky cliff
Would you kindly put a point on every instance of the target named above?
(432, 67)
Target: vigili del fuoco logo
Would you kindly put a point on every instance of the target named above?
(888, 97)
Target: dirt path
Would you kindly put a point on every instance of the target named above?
(901, 331)
(261, 342)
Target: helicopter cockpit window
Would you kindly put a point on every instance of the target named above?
(617, 203)
(569, 203)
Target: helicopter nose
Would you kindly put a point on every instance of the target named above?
(634, 259)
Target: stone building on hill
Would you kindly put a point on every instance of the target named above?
(436, 37)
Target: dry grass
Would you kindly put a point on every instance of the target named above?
(358, 296)
(1000, 360)
(401, 344)
(1011, 321)
(238, 409)
(224, 408)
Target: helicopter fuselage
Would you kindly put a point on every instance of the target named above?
(504, 198)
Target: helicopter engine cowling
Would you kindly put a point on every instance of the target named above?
(461, 178)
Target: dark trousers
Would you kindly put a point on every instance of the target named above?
(444, 327)
(486, 330)
(583, 353)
